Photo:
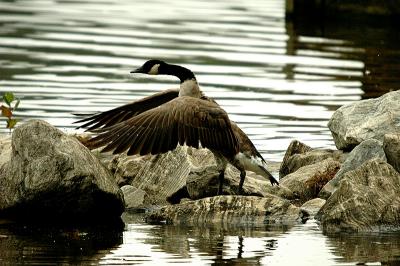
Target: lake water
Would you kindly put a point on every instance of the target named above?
(277, 79)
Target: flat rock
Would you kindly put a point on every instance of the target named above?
(299, 154)
(367, 199)
(225, 210)
(308, 180)
(49, 175)
(367, 119)
(391, 146)
(365, 151)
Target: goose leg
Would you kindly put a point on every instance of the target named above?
(221, 181)
(242, 177)
(221, 166)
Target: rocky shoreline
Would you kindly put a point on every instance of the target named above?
(46, 174)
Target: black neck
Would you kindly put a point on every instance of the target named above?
(177, 71)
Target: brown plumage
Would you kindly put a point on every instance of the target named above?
(122, 113)
(183, 120)
(158, 123)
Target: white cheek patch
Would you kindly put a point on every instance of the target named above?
(154, 70)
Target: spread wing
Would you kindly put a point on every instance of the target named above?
(183, 120)
(119, 114)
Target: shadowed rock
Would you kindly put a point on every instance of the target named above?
(223, 210)
(308, 180)
(367, 150)
(159, 176)
(165, 178)
(310, 208)
(203, 182)
(49, 175)
(367, 119)
(298, 155)
(391, 146)
(367, 199)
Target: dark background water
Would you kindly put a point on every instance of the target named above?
(280, 80)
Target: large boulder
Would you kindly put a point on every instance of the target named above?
(367, 150)
(391, 146)
(51, 176)
(367, 119)
(299, 154)
(367, 199)
(228, 210)
(308, 180)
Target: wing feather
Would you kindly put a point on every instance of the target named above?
(183, 120)
(123, 113)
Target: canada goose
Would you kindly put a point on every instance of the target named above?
(157, 123)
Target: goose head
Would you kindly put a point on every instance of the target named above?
(151, 67)
(158, 67)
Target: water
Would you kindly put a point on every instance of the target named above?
(277, 79)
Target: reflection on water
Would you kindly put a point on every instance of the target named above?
(140, 243)
(280, 80)
(48, 244)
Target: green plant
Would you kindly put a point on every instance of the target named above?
(8, 109)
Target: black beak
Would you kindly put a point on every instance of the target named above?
(138, 70)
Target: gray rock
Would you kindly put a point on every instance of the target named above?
(203, 182)
(234, 210)
(308, 180)
(125, 168)
(134, 197)
(164, 177)
(367, 200)
(367, 119)
(367, 150)
(298, 155)
(295, 147)
(50, 175)
(310, 208)
(161, 176)
(391, 146)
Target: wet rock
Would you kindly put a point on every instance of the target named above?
(367, 199)
(310, 208)
(298, 155)
(391, 146)
(223, 210)
(204, 182)
(49, 175)
(308, 180)
(134, 197)
(367, 119)
(367, 150)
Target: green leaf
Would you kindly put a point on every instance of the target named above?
(17, 104)
(6, 111)
(8, 97)
(11, 123)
